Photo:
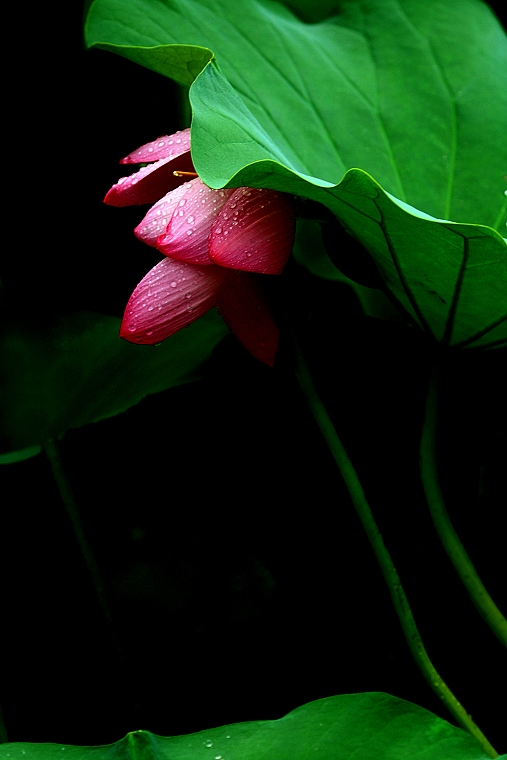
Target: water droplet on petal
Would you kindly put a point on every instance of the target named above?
(173, 284)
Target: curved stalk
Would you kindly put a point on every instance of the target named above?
(389, 572)
(67, 496)
(441, 520)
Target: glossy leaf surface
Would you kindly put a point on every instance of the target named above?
(367, 726)
(294, 106)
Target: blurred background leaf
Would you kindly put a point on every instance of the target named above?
(77, 370)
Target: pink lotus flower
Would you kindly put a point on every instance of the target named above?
(216, 243)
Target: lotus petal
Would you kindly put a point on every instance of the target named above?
(172, 295)
(254, 231)
(243, 304)
(186, 235)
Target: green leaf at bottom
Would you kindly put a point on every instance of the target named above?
(367, 726)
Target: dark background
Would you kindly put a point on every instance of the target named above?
(239, 578)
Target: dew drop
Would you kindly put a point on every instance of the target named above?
(149, 332)
(173, 284)
(190, 219)
(150, 150)
(132, 328)
(190, 232)
(188, 295)
(182, 202)
(161, 144)
(208, 743)
(218, 230)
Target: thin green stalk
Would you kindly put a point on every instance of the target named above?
(389, 572)
(67, 496)
(452, 544)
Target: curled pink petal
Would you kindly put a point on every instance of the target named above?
(168, 146)
(254, 231)
(158, 217)
(150, 183)
(172, 295)
(243, 304)
(186, 235)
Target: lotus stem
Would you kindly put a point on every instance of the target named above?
(66, 494)
(441, 520)
(389, 572)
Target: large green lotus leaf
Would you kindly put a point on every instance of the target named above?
(348, 727)
(79, 371)
(413, 93)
